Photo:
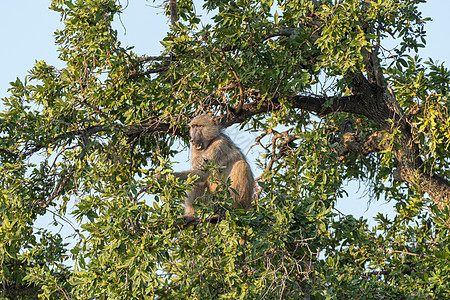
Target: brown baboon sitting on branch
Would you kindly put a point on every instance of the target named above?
(210, 144)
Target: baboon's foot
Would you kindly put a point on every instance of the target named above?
(187, 220)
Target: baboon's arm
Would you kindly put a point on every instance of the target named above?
(202, 175)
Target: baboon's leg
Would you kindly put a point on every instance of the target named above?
(242, 182)
(196, 192)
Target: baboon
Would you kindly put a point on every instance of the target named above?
(210, 144)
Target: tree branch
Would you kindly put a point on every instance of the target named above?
(435, 186)
(319, 105)
(153, 126)
(324, 105)
(9, 153)
(148, 72)
(354, 143)
(61, 185)
(88, 131)
(173, 12)
(286, 139)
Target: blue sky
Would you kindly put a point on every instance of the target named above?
(27, 28)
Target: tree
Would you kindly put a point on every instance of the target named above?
(330, 104)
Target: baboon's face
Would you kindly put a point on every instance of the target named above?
(203, 130)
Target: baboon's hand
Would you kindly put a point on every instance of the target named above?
(200, 164)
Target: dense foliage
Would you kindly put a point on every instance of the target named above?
(329, 104)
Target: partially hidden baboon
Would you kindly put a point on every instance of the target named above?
(210, 144)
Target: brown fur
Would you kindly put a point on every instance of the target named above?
(210, 144)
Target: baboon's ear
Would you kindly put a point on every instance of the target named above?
(214, 119)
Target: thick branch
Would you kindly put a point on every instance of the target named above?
(173, 12)
(354, 143)
(382, 107)
(436, 187)
(361, 86)
(324, 105)
(319, 105)
(153, 127)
